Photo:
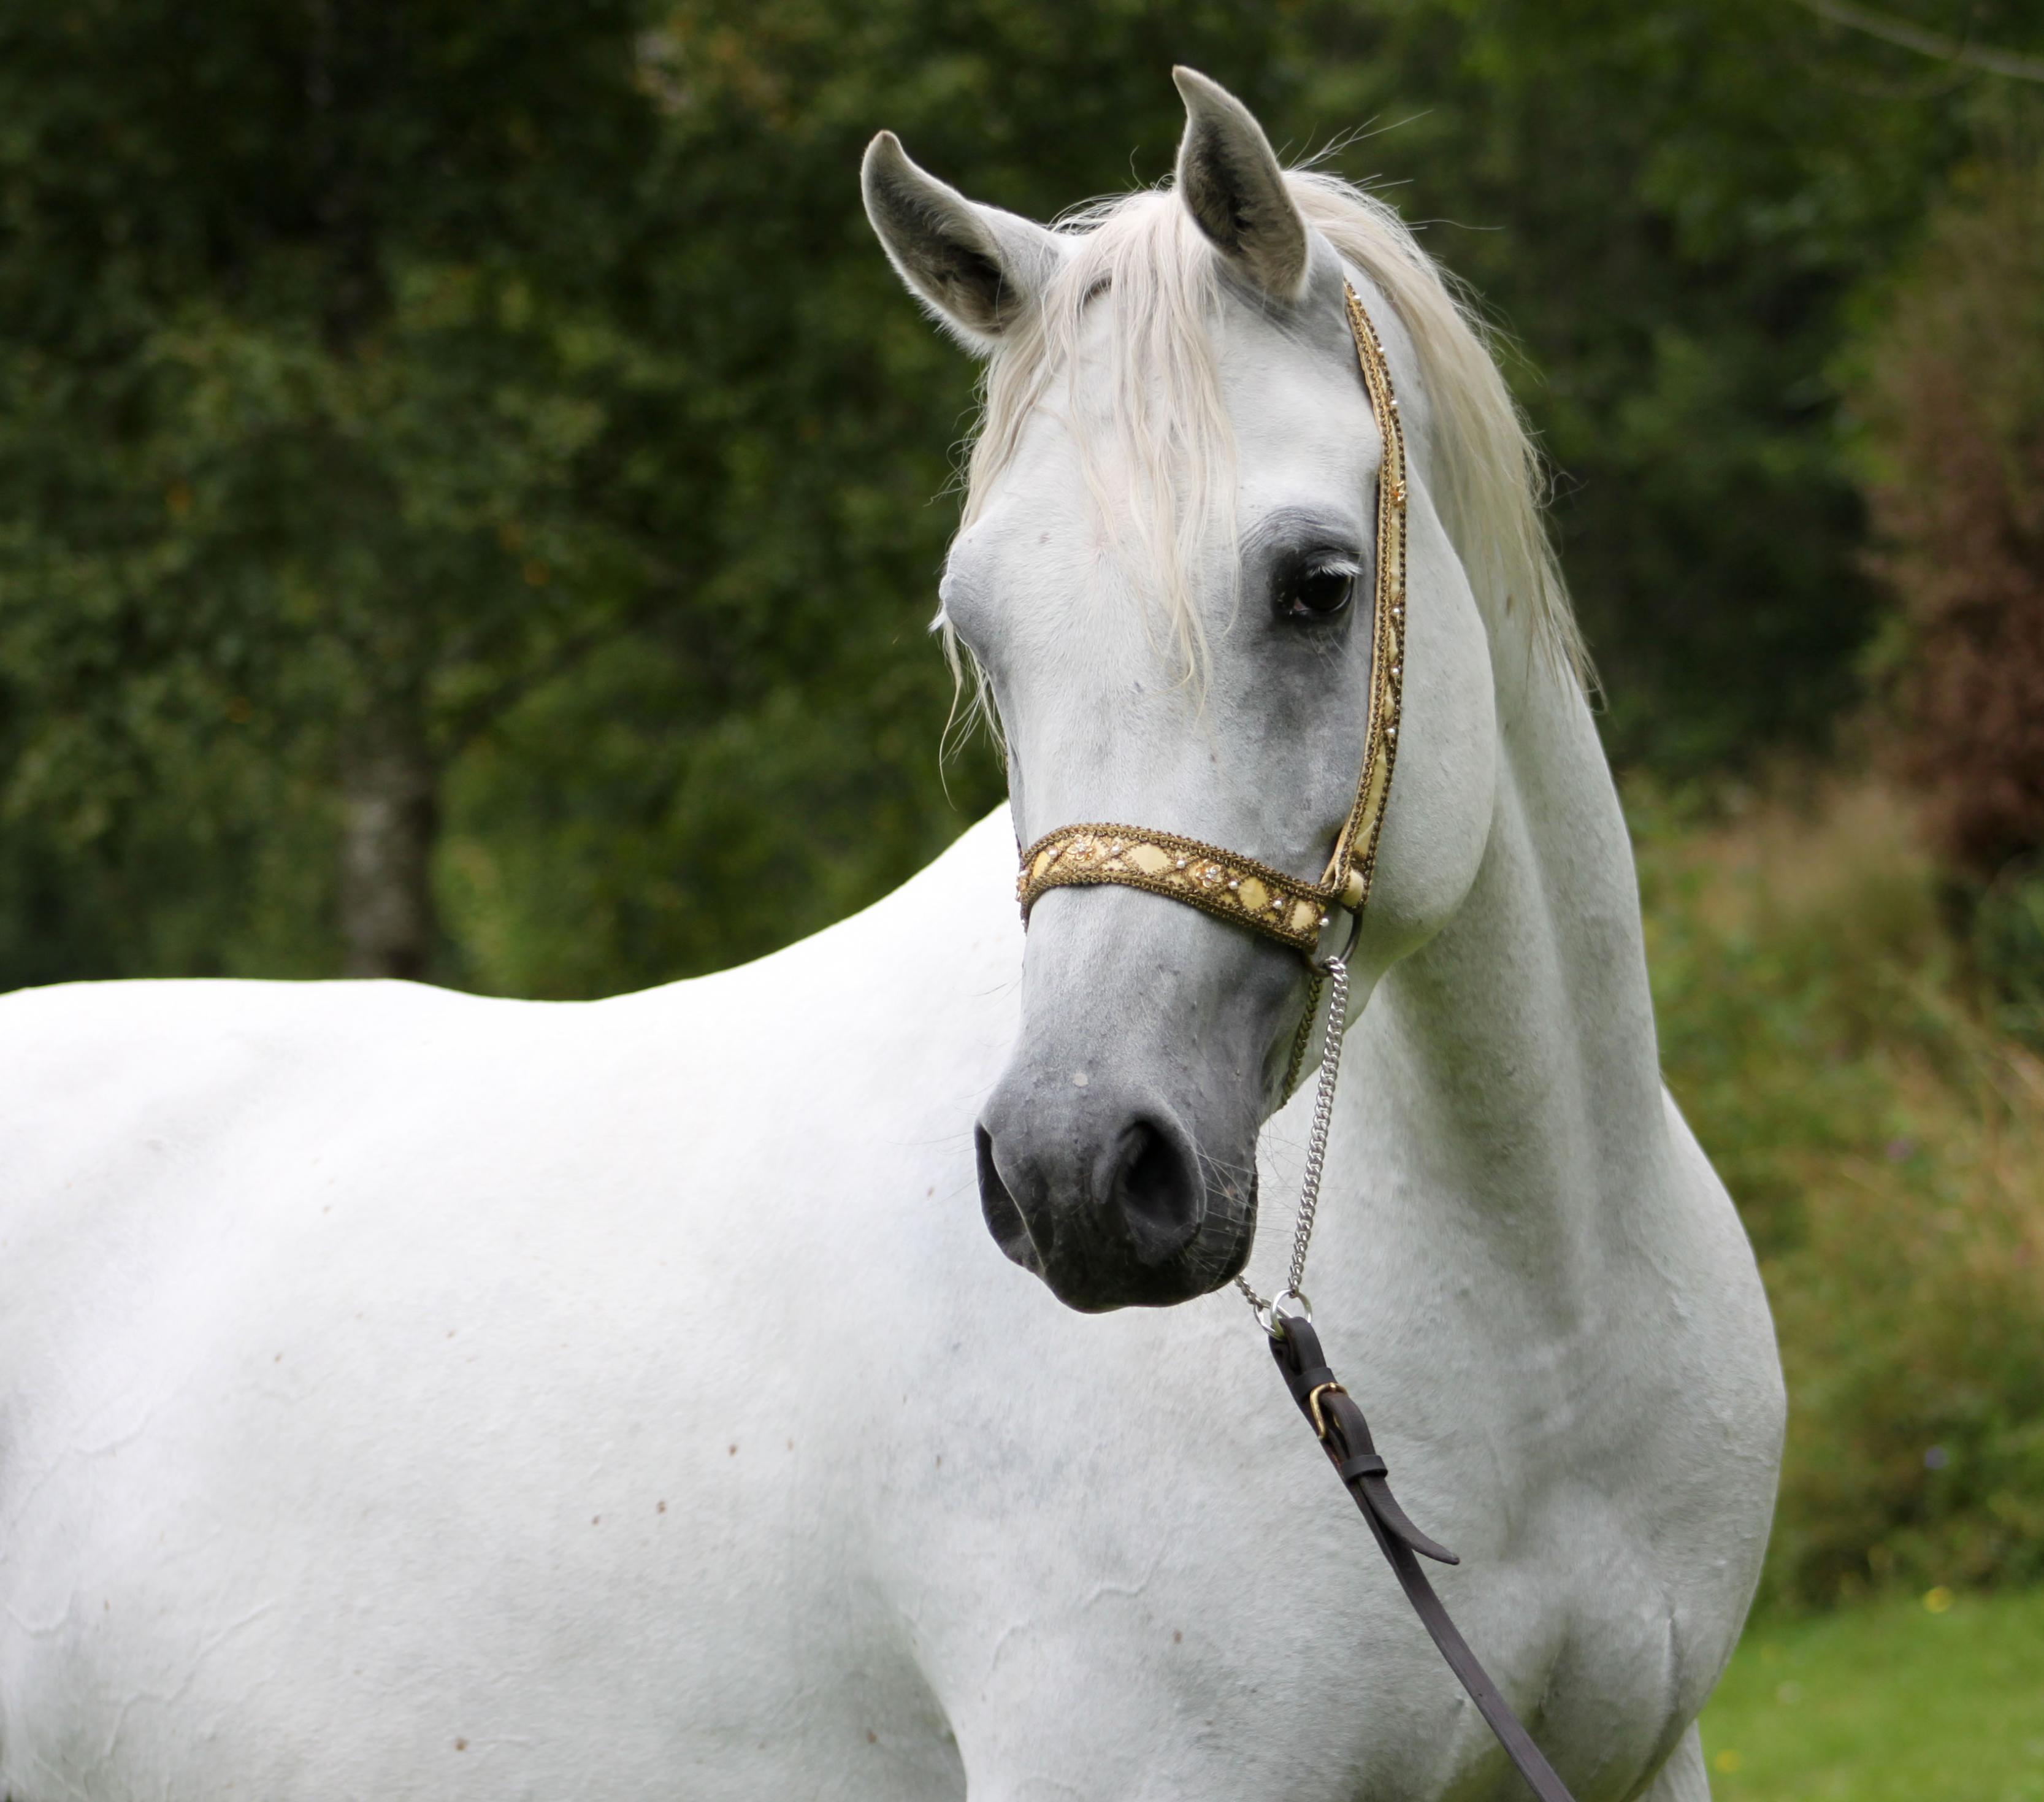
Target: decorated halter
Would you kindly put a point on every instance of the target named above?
(1239, 889)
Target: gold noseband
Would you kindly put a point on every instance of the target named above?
(1239, 889)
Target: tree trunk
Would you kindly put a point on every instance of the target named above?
(390, 795)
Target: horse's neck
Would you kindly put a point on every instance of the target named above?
(1513, 1081)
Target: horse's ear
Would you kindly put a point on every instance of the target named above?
(976, 268)
(1229, 180)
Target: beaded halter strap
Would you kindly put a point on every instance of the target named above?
(1240, 889)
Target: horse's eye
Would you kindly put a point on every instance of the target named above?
(1317, 592)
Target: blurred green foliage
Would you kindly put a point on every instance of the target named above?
(2008, 944)
(324, 378)
(1843, 1064)
(501, 421)
(1672, 206)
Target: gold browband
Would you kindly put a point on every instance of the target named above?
(1240, 889)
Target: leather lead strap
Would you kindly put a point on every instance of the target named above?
(1346, 1441)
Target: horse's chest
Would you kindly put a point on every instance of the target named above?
(1127, 1611)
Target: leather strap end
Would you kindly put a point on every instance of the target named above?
(1384, 1506)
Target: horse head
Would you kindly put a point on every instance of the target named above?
(1163, 582)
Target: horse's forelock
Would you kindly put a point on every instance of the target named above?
(1163, 415)
(1138, 271)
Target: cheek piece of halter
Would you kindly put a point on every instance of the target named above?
(1299, 913)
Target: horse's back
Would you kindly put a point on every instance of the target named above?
(402, 1392)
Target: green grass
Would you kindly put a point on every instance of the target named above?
(1891, 1702)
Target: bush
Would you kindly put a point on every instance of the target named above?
(1950, 391)
(2008, 946)
(1885, 1143)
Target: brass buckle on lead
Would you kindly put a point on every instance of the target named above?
(1313, 1406)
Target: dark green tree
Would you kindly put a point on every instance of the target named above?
(757, 764)
(1671, 208)
(471, 491)
(322, 351)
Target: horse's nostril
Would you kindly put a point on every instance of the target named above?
(1004, 1218)
(1157, 1189)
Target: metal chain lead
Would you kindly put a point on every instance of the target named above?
(1317, 1150)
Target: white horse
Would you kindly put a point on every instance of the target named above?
(407, 1395)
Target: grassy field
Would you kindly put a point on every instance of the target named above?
(1933, 1699)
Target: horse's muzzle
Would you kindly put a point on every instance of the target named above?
(1112, 1201)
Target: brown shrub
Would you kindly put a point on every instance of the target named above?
(1952, 395)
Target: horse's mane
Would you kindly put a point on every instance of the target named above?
(1171, 431)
